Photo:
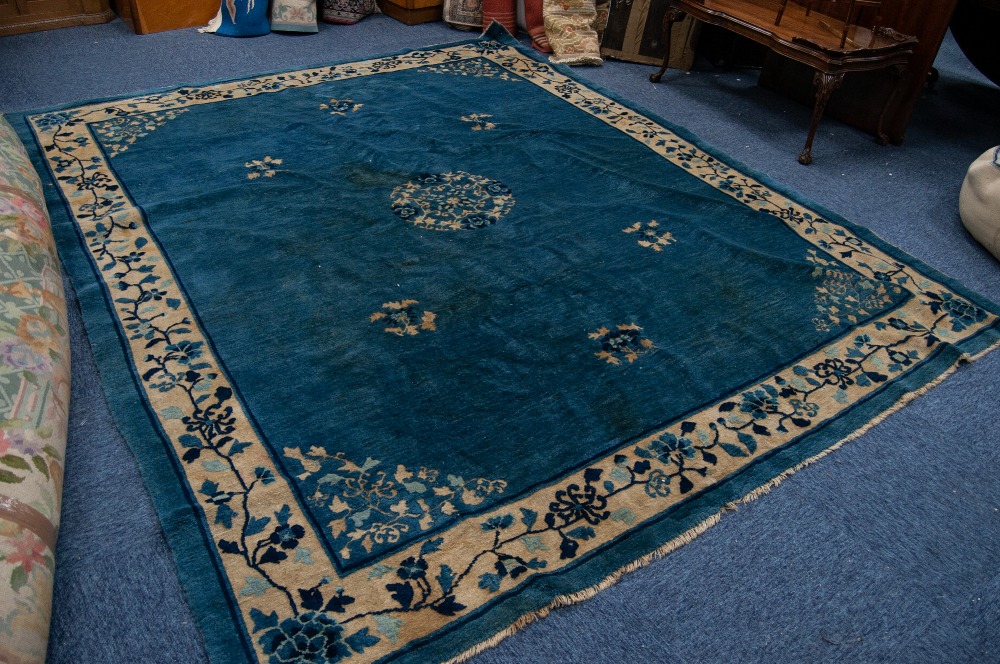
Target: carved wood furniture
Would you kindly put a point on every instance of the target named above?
(848, 19)
(147, 16)
(18, 16)
(861, 96)
(807, 37)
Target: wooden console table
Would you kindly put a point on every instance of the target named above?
(812, 39)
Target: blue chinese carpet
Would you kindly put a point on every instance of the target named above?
(414, 348)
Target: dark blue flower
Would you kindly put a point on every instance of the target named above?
(412, 568)
(287, 536)
(759, 404)
(658, 485)
(963, 313)
(498, 522)
(478, 220)
(835, 372)
(668, 444)
(309, 638)
(573, 504)
(183, 352)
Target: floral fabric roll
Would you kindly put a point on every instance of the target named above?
(347, 11)
(574, 29)
(34, 393)
(294, 16)
(464, 14)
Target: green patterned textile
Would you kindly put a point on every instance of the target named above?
(413, 348)
(34, 405)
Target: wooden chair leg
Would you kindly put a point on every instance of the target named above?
(825, 85)
(899, 73)
(672, 14)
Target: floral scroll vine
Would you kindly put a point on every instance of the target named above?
(316, 626)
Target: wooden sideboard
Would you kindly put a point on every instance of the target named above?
(17, 16)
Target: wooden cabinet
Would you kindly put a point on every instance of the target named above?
(146, 16)
(17, 16)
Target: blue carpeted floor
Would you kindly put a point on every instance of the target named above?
(887, 550)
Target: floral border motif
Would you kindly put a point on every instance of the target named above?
(289, 594)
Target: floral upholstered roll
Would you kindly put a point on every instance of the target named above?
(294, 16)
(347, 11)
(34, 399)
(574, 29)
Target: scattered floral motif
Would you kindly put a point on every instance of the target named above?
(456, 201)
(480, 121)
(963, 314)
(650, 235)
(402, 318)
(262, 167)
(760, 403)
(846, 296)
(19, 355)
(624, 342)
(121, 132)
(372, 507)
(341, 107)
(472, 67)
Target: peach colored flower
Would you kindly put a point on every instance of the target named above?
(28, 550)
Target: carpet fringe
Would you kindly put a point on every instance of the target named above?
(691, 534)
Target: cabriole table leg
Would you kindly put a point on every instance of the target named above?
(825, 85)
(672, 14)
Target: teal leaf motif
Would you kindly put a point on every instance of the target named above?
(446, 578)
(225, 515)
(528, 517)
(237, 447)
(732, 450)
(489, 581)
(534, 542)
(388, 626)
(262, 620)
(583, 532)
(361, 640)
(263, 474)
(624, 515)
(255, 587)
(255, 526)
(749, 441)
(378, 571)
(283, 515)
(431, 545)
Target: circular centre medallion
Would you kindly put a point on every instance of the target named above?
(456, 201)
